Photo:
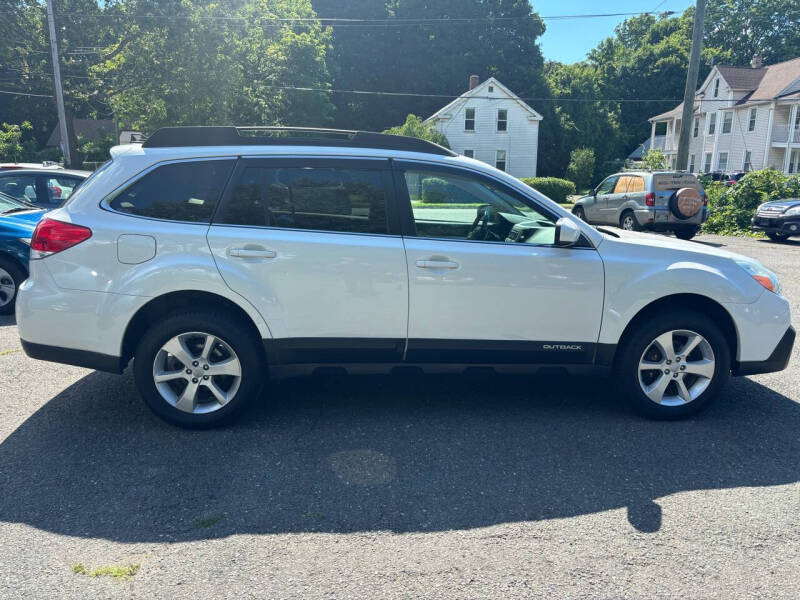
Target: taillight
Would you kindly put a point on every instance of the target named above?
(51, 236)
(650, 199)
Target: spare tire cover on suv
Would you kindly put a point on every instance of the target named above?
(685, 203)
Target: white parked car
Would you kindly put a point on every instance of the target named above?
(212, 257)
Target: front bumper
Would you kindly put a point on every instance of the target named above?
(777, 361)
(787, 225)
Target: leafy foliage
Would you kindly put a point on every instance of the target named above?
(415, 127)
(11, 147)
(731, 208)
(581, 167)
(654, 160)
(556, 189)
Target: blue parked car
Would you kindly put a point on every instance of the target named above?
(18, 219)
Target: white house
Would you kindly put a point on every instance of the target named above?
(745, 118)
(490, 123)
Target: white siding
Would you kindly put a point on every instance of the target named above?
(520, 140)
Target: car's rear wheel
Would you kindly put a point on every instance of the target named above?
(11, 276)
(628, 221)
(578, 212)
(674, 365)
(686, 233)
(198, 370)
(776, 236)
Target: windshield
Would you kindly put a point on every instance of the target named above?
(7, 203)
(79, 189)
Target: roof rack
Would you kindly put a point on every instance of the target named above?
(170, 137)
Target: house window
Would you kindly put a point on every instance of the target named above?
(748, 161)
(469, 119)
(716, 88)
(751, 126)
(691, 163)
(696, 131)
(500, 160)
(502, 119)
(712, 123)
(722, 163)
(469, 153)
(727, 122)
(707, 164)
(491, 89)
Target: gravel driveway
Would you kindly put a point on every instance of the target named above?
(390, 487)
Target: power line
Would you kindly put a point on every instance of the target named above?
(26, 94)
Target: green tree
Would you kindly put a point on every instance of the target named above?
(416, 127)
(12, 146)
(738, 29)
(185, 66)
(654, 160)
(581, 167)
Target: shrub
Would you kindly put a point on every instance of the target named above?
(654, 160)
(554, 188)
(434, 190)
(731, 208)
(581, 167)
(416, 127)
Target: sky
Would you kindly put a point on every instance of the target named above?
(570, 40)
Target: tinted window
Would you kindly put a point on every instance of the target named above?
(21, 187)
(178, 192)
(324, 199)
(450, 205)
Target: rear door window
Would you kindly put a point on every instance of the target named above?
(636, 184)
(335, 199)
(59, 188)
(622, 185)
(20, 187)
(185, 191)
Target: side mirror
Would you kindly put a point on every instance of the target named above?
(567, 233)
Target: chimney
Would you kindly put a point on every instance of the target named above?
(474, 80)
(756, 62)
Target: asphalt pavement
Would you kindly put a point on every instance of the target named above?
(401, 487)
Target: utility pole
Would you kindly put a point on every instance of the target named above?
(62, 117)
(691, 85)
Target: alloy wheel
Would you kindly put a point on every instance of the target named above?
(676, 367)
(197, 372)
(8, 288)
(627, 223)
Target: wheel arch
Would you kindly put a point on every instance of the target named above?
(696, 302)
(13, 259)
(172, 302)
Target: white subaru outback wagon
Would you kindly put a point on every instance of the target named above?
(212, 256)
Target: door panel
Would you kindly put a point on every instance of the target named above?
(615, 200)
(308, 244)
(601, 199)
(473, 300)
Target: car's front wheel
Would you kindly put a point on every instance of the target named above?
(198, 370)
(578, 212)
(11, 276)
(674, 365)
(777, 236)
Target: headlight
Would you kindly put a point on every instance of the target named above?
(793, 212)
(761, 274)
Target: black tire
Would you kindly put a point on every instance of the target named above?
(777, 237)
(578, 212)
(235, 334)
(17, 275)
(639, 340)
(686, 233)
(629, 217)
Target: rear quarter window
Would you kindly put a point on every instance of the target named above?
(186, 191)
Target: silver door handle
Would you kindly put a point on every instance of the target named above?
(251, 253)
(437, 264)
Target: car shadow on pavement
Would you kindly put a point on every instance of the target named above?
(6, 320)
(402, 454)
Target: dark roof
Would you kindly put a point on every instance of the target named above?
(642, 148)
(91, 129)
(742, 78)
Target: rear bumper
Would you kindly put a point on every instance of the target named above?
(70, 356)
(660, 218)
(777, 361)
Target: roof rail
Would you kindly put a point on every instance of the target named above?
(170, 137)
